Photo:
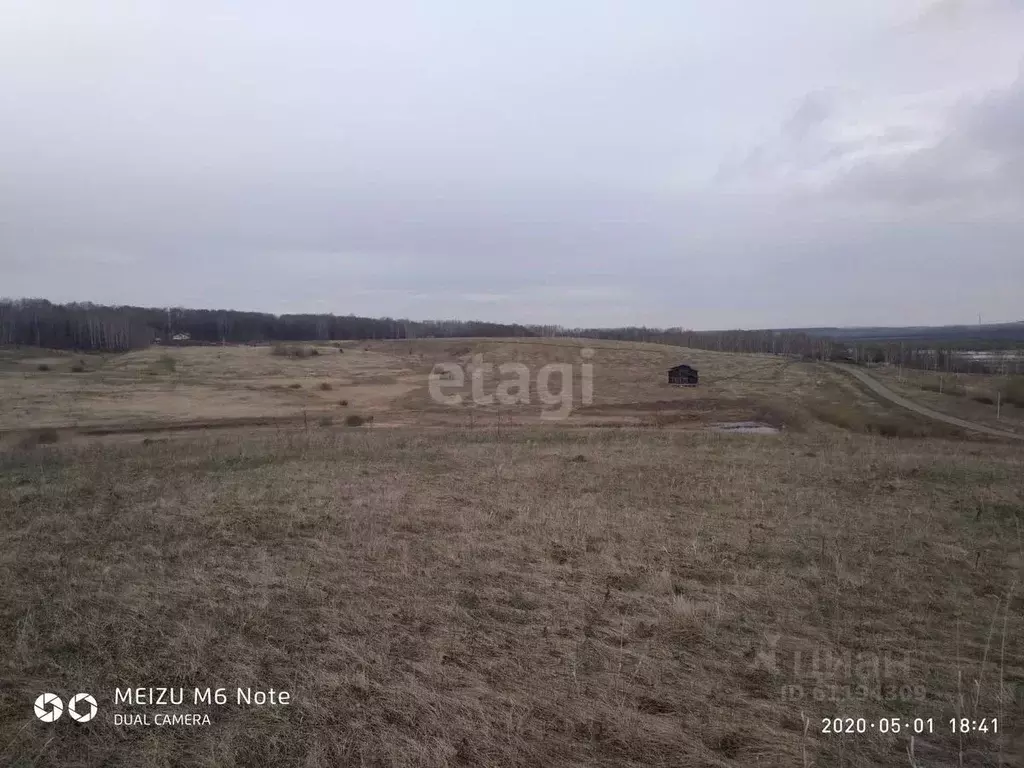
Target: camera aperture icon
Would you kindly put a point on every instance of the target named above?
(82, 707)
(80, 702)
(49, 707)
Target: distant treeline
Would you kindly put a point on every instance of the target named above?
(93, 327)
(975, 337)
(946, 355)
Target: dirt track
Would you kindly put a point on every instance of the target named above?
(878, 388)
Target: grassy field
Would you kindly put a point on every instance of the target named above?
(192, 388)
(472, 586)
(966, 396)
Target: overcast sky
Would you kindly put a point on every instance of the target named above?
(721, 163)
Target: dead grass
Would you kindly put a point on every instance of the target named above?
(891, 423)
(204, 383)
(966, 396)
(1012, 391)
(515, 597)
(291, 350)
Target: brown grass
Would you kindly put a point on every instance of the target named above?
(541, 596)
(966, 396)
(204, 383)
(1013, 391)
(291, 350)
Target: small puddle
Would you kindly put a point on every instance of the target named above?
(744, 427)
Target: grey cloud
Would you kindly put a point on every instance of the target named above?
(520, 162)
(979, 162)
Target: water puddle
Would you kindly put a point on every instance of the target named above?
(744, 427)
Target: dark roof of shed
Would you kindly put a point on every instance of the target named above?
(682, 367)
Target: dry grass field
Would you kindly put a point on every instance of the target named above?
(474, 586)
(967, 396)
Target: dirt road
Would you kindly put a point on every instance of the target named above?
(878, 388)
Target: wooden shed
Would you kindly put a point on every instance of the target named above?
(682, 376)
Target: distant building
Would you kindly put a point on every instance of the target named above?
(682, 376)
(181, 337)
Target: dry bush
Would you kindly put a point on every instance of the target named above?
(292, 350)
(355, 420)
(984, 400)
(78, 368)
(779, 415)
(164, 364)
(885, 424)
(326, 421)
(1013, 391)
(343, 403)
(295, 385)
(44, 436)
(325, 386)
(842, 416)
(42, 367)
(944, 385)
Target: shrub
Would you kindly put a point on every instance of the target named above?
(295, 385)
(945, 386)
(314, 352)
(1013, 391)
(343, 403)
(839, 416)
(326, 386)
(985, 399)
(886, 427)
(45, 436)
(341, 351)
(291, 350)
(326, 421)
(78, 368)
(355, 420)
(42, 367)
